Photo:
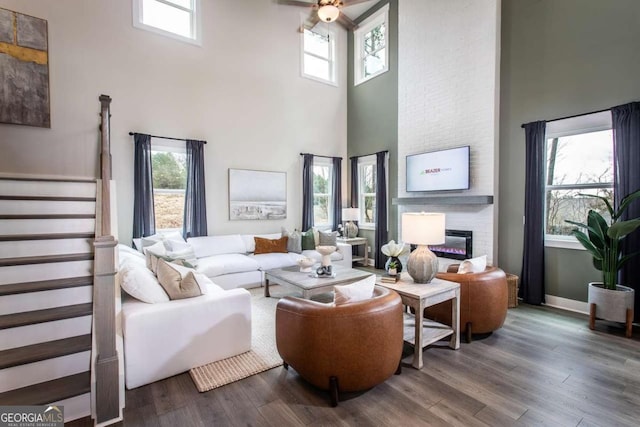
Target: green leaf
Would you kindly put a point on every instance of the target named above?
(626, 258)
(597, 263)
(604, 199)
(625, 202)
(584, 240)
(598, 228)
(620, 229)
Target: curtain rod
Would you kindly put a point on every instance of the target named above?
(162, 137)
(372, 154)
(571, 117)
(317, 155)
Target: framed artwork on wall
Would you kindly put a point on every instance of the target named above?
(24, 70)
(255, 195)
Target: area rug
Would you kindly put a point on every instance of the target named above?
(262, 356)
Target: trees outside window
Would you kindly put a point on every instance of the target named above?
(371, 42)
(367, 193)
(322, 209)
(169, 174)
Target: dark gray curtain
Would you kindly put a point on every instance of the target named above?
(336, 192)
(144, 219)
(626, 137)
(354, 182)
(381, 208)
(307, 192)
(532, 275)
(195, 202)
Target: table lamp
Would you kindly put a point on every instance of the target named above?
(350, 215)
(423, 229)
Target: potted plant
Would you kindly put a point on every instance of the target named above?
(609, 300)
(393, 250)
(392, 267)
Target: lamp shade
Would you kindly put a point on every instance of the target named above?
(350, 214)
(328, 13)
(423, 228)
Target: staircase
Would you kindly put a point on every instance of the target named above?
(47, 230)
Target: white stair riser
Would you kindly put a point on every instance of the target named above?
(18, 303)
(28, 248)
(46, 226)
(39, 272)
(75, 407)
(45, 370)
(47, 188)
(41, 207)
(46, 331)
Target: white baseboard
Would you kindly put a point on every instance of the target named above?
(567, 304)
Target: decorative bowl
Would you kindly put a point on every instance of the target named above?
(305, 264)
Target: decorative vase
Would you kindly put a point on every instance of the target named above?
(398, 264)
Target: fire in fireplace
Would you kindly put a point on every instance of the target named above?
(457, 245)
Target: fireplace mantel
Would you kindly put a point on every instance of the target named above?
(443, 200)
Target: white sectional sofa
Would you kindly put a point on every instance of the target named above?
(163, 338)
(228, 260)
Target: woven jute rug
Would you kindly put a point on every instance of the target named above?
(262, 356)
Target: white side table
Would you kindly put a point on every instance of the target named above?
(420, 332)
(357, 241)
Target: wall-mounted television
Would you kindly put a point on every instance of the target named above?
(439, 170)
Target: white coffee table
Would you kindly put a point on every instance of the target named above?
(421, 332)
(310, 286)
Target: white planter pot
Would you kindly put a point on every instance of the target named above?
(611, 305)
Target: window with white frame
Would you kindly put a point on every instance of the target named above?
(367, 192)
(579, 161)
(322, 186)
(319, 56)
(371, 46)
(169, 175)
(179, 19)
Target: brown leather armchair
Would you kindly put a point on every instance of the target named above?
(344, 348)
(483, 301)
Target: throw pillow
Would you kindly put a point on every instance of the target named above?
(357, 291)
(178, 282)
(308, 241)
(328, 238)
(294, 242)
(269, 246)
(473, 265)
(139, 282)
(154, 252)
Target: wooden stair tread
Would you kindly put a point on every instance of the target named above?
(49, 391)
(50, 216)
(47, 179)
(49, 198)
(45, 285)
(44, 350)
(45, 259)
(46, 315)
(48, 236)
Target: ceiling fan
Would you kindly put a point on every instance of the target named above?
(325, 10)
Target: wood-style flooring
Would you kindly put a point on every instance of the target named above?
(544, 367)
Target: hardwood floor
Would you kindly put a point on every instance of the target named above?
(544, 367)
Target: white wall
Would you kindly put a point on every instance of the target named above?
(241, 91)
(448, 97)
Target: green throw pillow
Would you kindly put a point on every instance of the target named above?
(308, 240)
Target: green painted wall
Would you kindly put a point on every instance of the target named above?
(559, 58)
(372, 114)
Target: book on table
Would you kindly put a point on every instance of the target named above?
(389, 279)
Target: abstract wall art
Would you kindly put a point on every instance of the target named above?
(257, 194)
(24, 70)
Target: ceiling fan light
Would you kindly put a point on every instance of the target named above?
(328, 13)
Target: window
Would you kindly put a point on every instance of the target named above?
(322, 206)
(367, 192)
(579, 161)
(371, 42)
(318, 56)
(179, 19)
(169, 169)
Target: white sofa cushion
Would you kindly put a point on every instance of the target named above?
(357, 291)
(216, 245)
(276, 260)
(139, 282)
(313, 254)
(250, 243)
(218, 265)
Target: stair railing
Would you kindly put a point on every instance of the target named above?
(106, 374)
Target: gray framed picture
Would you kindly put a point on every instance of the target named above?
(255, 195)
(24, 70)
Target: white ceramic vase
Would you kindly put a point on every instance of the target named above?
(326, 252)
